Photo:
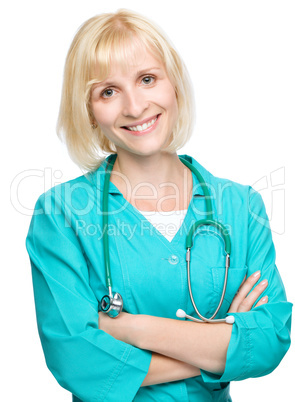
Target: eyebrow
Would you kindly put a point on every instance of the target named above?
(138, 73)
(147, 69)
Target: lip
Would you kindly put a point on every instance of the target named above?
(143, 132)
(141, 122)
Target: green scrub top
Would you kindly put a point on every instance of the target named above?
(66, 252)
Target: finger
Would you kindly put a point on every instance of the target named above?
(262, 301)
(250, 300)
(235, 303)
(242, 283)
(244, 289)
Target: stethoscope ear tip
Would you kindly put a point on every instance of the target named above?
(230, 319)
(180, 313)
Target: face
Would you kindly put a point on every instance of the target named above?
(136, 108)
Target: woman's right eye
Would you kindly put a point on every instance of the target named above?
(107, 93)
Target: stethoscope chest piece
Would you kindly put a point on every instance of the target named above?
(112, 306)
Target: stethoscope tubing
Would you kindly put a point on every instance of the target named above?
(105, 211)
(209, 210)
(223, 289)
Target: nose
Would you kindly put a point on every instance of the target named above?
(134, 103)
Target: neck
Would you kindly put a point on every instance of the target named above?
(155, 169)
(144, 180)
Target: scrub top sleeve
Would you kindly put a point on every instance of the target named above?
(88, 362)
(261, 337)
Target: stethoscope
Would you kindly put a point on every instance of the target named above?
(112, 304)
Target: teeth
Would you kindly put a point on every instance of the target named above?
(143, 127)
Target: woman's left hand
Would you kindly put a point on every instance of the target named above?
(248, 294)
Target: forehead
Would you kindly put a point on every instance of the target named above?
(141, 63)
(125, 58)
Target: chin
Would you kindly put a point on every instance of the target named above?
(147, 151)
(149, 148)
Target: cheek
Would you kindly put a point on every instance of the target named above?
(172, 105)
(169, 99)
(104, 116)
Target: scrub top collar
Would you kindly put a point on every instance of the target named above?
(97, 177)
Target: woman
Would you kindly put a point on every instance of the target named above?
(126, 93)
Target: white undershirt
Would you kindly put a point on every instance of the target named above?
(167, 223)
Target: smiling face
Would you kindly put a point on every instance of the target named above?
(136, 107)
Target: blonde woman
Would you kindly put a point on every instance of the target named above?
(127, 96)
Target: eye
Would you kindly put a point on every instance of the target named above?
(148, 79)
(107, 93)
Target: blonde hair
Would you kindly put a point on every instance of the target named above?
(99, 41)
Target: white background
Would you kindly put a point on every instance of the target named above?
(240, 55)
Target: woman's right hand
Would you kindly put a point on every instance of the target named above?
(246, 296)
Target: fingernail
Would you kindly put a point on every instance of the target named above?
(263, 283)
(265, 298)
(256, 274)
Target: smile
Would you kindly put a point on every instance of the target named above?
(145, 126)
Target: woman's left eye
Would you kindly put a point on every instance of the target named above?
(148, 79)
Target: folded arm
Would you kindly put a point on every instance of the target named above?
(165, 369)
(182, 347)
(226, 353)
